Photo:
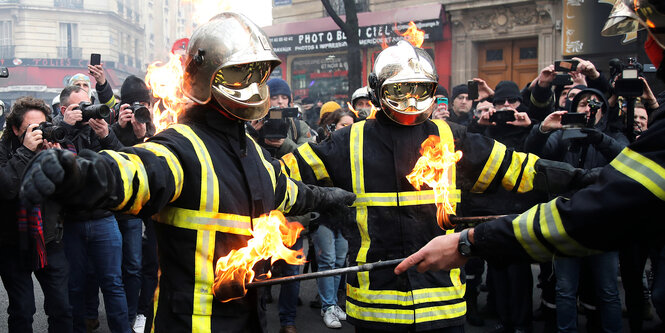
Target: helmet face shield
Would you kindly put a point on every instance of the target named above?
(241, 76)
(242, 89)
(632, 15)
(408, 97)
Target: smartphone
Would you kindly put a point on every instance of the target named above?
(502, 116)
(473, 89)
(562, 80)
(442, 100)
(566, 65)
(4, 72)
(573, 119)
(95, 59)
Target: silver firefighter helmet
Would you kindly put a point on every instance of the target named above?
(403, 83)
(229, 58)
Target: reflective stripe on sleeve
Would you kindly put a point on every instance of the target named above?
(407, 198)
(642, 170)
(127, 171)
(290, 196)
(491, 168)
(553, 231)
(525, 234)
(510, 177)
(171, 160)
(313, 161)
(143, 190)
(208, 221)
(292, 164)
(526, 183)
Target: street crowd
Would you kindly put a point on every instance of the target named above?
(577, 117)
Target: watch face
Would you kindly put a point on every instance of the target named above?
(465, 250)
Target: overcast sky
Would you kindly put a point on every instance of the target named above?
(259, 11)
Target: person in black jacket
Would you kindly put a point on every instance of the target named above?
(24, 244)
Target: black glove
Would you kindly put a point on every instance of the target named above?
(556, 178)
(46, 173)
(594, 136)
(83, 182)
(331, 199)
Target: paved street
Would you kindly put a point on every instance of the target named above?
(308, 319)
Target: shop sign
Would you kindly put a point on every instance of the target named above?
(335, 40)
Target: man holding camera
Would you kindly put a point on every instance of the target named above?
(91, 237)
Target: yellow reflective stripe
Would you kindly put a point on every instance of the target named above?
(456, 280)
(313, 161)
(405, 298)
(266, 164)
(204, 275)
(490, 169)
(205, 221)
(441, 312)
(392, 316)
(289, 197)
(446, 135)
(209, 184)
(642, 170)
(407, 198)
(292, 163)
(523, 229)
(510, 177)
(356, 153)
(361, 220)
(126, 170)
(143, 191)
(526, 183)
(554, 232)
(171, 161)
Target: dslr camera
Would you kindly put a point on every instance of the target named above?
(141, 113)
(629, 84)
(51, 133)
(94, 111)
(276, 122)
(573, 122)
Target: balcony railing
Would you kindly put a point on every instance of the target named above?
(69, 52)
(6, 51)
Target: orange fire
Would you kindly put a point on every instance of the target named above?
(165, 80)
(272, 235)
(372, 112)
(435, 169)
(413, 35)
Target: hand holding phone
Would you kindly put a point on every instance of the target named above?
(472, 86)
(566, 65)
(95, 59)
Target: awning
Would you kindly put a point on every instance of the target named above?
(51, 77)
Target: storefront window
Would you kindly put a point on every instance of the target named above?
(321, 77)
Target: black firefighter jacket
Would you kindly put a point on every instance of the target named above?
(393, 220)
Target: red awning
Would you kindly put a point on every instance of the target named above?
(397, 15)
(51, 77)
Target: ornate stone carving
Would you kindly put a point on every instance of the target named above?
(524, 15)
(503, 18)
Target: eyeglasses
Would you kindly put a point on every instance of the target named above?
(503, 101)
(241, 76)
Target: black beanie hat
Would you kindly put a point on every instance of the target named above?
(279, 87)
(459, 89)
(441, 90)
(134, 90)
(506, 90)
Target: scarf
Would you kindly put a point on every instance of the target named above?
(31, 233)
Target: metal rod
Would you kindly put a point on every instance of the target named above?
(337, 271)
(473, 220)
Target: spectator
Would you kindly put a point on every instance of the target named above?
(441, 103)
(641, 118)
(24, 248)
(82, 81)
(280, 97)
(92, 236)
(593, 147)
(360, 101)
(133, 90)
(461, 105)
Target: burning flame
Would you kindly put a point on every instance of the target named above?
(372, 112)
(165, 80)
(434, 168)
(413, 35)
(272, 235)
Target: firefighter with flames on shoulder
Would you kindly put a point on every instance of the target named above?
(203, 180)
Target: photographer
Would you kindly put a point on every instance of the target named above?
(592, 146)
(135, 110)
(30, 237)
(91, 237)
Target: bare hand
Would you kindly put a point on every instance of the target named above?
(578, 79)
(48, 145)
(72, 114)
(485, 117)
(32, 139)
(484, 90)
(587, 68)
(439, 254)
(125, 115)
(648, 98)
(100, 126)
(139, 128)
(521, 119)
(546, 76)
(257, 124)
(97, 72)
(552, 121)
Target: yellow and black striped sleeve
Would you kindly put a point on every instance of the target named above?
(488, 164)
(148, 176)
(625, 204)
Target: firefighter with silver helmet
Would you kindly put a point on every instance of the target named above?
(372, 158)
(203, 181)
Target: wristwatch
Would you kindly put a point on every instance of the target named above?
(464, 246)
